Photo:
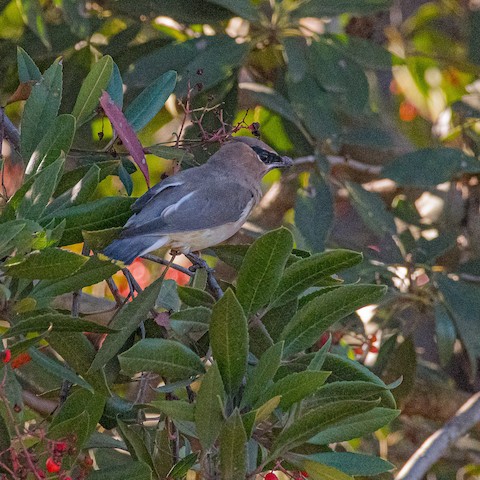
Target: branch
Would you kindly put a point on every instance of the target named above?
(437, 444)
(161, 261)
(211, 280)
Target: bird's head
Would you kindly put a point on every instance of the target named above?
(269, 157)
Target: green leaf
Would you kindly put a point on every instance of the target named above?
(179, 410)
(294, 387)
(79, 404)
(90, 273)
(229, 340)
(9, 232)
(315, 421)
(45, 264)
(233, 455)
(167, 358)
(358, 424)
(429, 167)
(125, 179)
(317, 471)
(41, 109)
(131, 470)
(262, 374)
(317, 204)
(23, 345)
(242, 8)
(60, 323)
(100, 214)
(275, 319)
(5, 439)
(170, 153)
(44, 184)
(318, 360)
(27, 70)
(356, 464)
(371, 208)
(180, 470)
(32, 15)
(208, 410)
(351, 390)
(93, 85)
(330, 8)
(344, 369)
(190, 321)
(262, 268)
(462, 300)
(146, 105)
(57, 369)
(307, 272)
(57, 139)
(115, 86)
(194, 297)
(127, 321)
(445, 333)
(78, 194)
(316, 316)
(135, 444)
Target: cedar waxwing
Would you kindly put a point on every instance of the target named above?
(199, 207)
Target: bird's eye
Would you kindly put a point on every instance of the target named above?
(267, 157)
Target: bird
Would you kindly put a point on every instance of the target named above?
(199, 207)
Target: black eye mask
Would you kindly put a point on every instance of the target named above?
(266, 156)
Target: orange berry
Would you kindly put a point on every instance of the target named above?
(20, 360)
(52, 466)
(407, 112)
(373, 338)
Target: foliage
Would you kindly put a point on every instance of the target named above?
(386, 145)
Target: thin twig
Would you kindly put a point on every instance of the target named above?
(211, 280)
(162, 261)
(437, 444)
(119, 300)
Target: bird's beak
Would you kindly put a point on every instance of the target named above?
(280, 162)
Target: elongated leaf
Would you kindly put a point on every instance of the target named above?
(356, 464)
(41, 109)
(32, 15)
(208, 411)
(351, 390)
(262, 268)
(359, 424)
(176, 409)
(233, 439)
(445, 333)
(115, 87)
(57, 139)
(135, 444)
(371, 208)
(150, 101)
(93, 271)
(57, 369)
(294, 387)
(180, 470)
(45, 264)
(193, 320)
(429, 166)
(100, 214)
(131, 470)
(9, 232)
(229, 340)
(78, 194)
(344, 369)
(242, 8)
(167, 358)
(27, 70)
(78, 415)
(59, 322)
(316, 421)
(323, 311)
(317, 204)
(318, 360)
(262, 374)
(309, 271)
(127, 321)
(126, 133)
(44, 184)
(91, 89)
(170, 153)
(329, 8)
(317, 471)
(194, 297)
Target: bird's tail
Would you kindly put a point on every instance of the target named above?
(128, 249)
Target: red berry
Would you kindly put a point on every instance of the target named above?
(52, 466)
(271, 476)
(40, 473)
(6, 355)
(358, 351)
(373, 338)
(60, 447)
(88, 461)
(373, 349)
(407, 112)
(304, 473)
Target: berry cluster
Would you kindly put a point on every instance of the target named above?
(367, 346)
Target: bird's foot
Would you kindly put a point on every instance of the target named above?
(198, 262)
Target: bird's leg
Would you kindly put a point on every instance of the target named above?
(199, 262)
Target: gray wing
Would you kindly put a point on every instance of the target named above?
(186, 207)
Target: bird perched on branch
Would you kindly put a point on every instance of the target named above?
(199, 207)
